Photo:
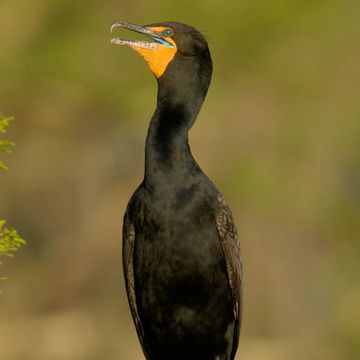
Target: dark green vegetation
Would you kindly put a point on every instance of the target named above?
(278, 134)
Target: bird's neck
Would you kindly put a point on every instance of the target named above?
(168, 160)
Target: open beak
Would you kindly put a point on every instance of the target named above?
(157, 39)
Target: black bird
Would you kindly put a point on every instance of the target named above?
(181, 253)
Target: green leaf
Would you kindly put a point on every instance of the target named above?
(3, 166)
(5, 145)
(10, 240)
(4, 123)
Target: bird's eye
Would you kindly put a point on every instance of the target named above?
(167, 32)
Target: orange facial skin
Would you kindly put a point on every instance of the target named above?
(159, 57)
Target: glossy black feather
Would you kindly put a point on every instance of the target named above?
(181, 252)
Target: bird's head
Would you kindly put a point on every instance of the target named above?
(170, 42)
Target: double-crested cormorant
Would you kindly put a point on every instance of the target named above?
(181, 253)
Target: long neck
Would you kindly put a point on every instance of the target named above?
(181, 92)
(168, 160)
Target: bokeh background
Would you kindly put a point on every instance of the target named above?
(279, 134)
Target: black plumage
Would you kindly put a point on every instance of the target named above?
(181, 252)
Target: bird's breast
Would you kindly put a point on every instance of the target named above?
(181, 286)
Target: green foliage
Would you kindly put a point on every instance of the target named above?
(5, 145)
(10, 240)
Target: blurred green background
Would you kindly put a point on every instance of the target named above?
(279, 134)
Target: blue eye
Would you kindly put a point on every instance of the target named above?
(167, 32)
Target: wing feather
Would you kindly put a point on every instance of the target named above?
(128, 264)
(233, 259)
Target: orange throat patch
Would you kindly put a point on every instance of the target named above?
(158, 58)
